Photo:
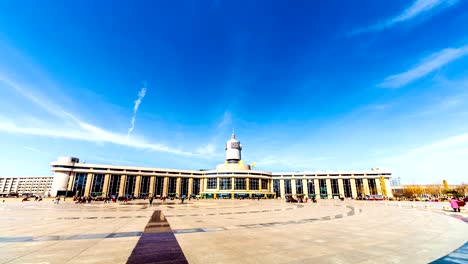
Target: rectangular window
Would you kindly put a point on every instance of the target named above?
(196, 187)
(253, 184)
(98, 184)
(264, 184)
(130, 185)
(323, 188)
(79, 184)
(359, 188)
(311, 188)
(299, 189)
(347, 188)
(335, 188)
(225, 184)
(287, 187)
(171, 188)
(276, 188)
(212, 183)
(184, 183)
(240, 184)
(144, 186)
(159, 186)
(372, 186)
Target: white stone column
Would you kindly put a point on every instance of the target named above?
(151, 188)
(165, 186)
(305, 187)
(190, 186)
(89, 181)
(389, 188)
(378, 186)
(365, 182)
(329, 189)
(282, 191)
(317, 189)
(341, 187)
(105, 187)
(353, 188)
(293, 186)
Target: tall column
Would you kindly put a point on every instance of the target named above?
(365, 182)
(317, 189)
(165, 186)
(70, 181)
(389, 188)
(178, 189)
(2, 186)
(89, 180)
(293, 186)
(282, 191)
(123, 179)
(151, 188)
(137, 186)
(329, 189)
(378, 186)
(247, 184)
(233, 181)
(105, 187)
(341, 187)
(260, 184)
(305, 186)
(353, 188)
(190, 186)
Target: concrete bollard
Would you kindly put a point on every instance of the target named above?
(413, 205)
(427, 206)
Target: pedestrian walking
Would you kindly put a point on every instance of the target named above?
(454, 205)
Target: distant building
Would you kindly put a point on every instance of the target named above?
(232, 179)
(395, 181)
(26, 185)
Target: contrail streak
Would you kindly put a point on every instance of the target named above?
(141, 95)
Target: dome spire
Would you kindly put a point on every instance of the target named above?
(233, 134)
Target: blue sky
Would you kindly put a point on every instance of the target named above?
(307, 85)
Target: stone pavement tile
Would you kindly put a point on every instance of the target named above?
(340, 258)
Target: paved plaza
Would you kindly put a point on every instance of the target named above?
(230, 231)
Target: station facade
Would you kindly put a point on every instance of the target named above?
(232, 179)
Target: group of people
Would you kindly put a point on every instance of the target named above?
(82, 199)
(304, 199)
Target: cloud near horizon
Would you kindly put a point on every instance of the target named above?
(74, 128)
(444, 158)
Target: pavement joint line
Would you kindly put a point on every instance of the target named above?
(243, 226)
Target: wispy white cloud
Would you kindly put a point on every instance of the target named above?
(442, 159)
(67, 125)
(214, 147)
(85, 132)
(417, 9)
(426, 66)
(141, 95)
(226, 120)
(208, 149)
